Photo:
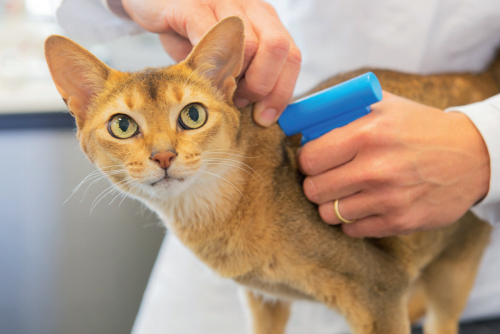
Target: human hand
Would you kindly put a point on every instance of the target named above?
(272, 60)
(403, 167)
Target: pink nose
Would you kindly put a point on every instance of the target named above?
(164, 158)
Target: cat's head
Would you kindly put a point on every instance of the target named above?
(155, 132)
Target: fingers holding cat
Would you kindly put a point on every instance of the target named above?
(401, 168)
(272, 60)
(273, 71)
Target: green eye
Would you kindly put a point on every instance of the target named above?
(193, 116)
(122, 126)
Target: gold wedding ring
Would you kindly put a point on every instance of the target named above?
(339, 216)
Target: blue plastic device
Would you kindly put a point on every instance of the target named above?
(317, 114)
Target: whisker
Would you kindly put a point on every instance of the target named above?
(103, 194)
(127, 184)
(225, 159)
(221, 163)
(93, 175)
(220, 177)
(96, 180)
(124, 196)
(119, 193)
(238, 155)
(97, 171)
(90, 176)
(134, 186)
(222, 150)
(129, 190)
(110, 191)
(87, 179)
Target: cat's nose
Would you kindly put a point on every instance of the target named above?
(164, 158)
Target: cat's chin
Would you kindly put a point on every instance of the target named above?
(166, 181)
(167, 187)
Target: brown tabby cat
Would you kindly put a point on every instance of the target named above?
(231, 192)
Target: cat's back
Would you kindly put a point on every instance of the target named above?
(440, 91)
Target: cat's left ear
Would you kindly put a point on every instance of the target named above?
(219, 54)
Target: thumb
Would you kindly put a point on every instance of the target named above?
(187, 32)
(175, 45)
(195, 24)
(269, 109)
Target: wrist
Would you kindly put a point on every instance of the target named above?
(471, 144)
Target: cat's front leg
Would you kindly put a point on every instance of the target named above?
(269, 316)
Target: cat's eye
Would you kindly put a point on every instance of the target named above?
(193, 116)
(122, 126)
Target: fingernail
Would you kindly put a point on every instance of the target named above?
(267, 117)
(241, 102)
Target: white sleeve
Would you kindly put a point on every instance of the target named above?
(95, 19)
(486, 117)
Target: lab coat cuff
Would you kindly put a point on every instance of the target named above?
(486, 117)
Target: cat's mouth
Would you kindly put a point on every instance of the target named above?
(166, 181)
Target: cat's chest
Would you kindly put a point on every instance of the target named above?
(217, 246)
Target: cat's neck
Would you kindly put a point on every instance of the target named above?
(214, 198)
(209, 219)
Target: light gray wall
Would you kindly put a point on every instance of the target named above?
(62, 269)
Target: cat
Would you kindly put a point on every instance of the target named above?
(230, 190)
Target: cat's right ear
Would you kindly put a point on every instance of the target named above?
(77, 74)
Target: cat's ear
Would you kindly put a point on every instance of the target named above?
(219, 54)
(77, 74)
